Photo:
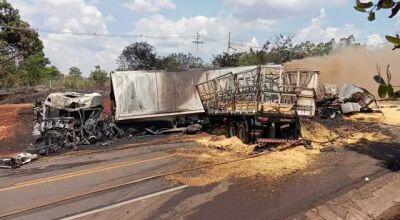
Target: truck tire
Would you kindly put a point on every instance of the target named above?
(233, 129)
(243, 133)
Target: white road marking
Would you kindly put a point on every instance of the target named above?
(125, 203)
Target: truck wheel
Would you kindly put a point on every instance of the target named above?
(243, 134)
(233, 129)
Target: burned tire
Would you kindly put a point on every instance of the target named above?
(243, 133)
(239, 129)
(233, 129)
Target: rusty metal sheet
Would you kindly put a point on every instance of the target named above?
(150, 94)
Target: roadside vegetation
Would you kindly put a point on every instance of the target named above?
(23, 62)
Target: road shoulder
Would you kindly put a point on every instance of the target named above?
(367, 202)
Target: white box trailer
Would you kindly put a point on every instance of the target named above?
(139, 95)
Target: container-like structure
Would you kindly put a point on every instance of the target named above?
(151, 95)
(262, 90)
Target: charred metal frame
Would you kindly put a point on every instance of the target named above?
(249, 92)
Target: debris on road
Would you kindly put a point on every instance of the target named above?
(193, 129)
(389, 114)
(351, 99)
(351, 93)
(17, 160)
(350, 107)
(338, 133)
(219, 149)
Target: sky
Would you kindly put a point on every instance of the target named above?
(108, 26)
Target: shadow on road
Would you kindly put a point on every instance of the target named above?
(388, 154)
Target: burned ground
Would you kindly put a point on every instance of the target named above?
(16, 121)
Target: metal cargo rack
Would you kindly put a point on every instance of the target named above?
(261, 91)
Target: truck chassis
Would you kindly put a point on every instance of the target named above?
(263, 104)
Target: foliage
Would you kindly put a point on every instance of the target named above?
(22, 61)
(279, 50)
(386, 89)
(75, 71)
(99, 76)
(251, 58)
(137, 56)
(372, 7)
(226, 60)
(178, 61)
(74, 79)
(35, 69)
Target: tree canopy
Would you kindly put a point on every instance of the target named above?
(99, 76)
(178, 61)
(137, 56)
(22, 60)
(75, 71)
(279, 50)
(142, 56)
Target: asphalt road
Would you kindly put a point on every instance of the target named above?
(41, 190)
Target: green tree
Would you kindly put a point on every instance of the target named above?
(252, 58)
(18, 40)
(137, 56)
(179, 61)
(226, 60)
(74, 78)
(372, 7)
(279, 50)
(35, 69)
(22, 60)
(99, 76)
(75, 71)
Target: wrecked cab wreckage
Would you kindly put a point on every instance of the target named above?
(67, 120)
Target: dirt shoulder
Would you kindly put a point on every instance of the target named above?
(16, 121)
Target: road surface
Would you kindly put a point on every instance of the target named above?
(73, 186)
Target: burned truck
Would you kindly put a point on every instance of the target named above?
(252, 102)
(262, 104)
(67, 120)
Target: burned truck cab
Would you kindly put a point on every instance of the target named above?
(66, 120)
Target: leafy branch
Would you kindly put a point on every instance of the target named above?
(385, 88)
(371, 8)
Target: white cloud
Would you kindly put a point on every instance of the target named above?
(375, 40)
(65, 50)
(253, 42)
(316, 32)
(273, 9)
(214, 32)
(149, 5)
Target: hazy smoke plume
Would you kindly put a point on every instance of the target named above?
(356, 65)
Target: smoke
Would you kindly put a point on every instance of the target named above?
(356, 65)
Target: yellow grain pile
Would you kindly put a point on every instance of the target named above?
(232, 144)
(359, 137)
(390, 110)
(339, 136)
(219, 149)
(317, 132)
